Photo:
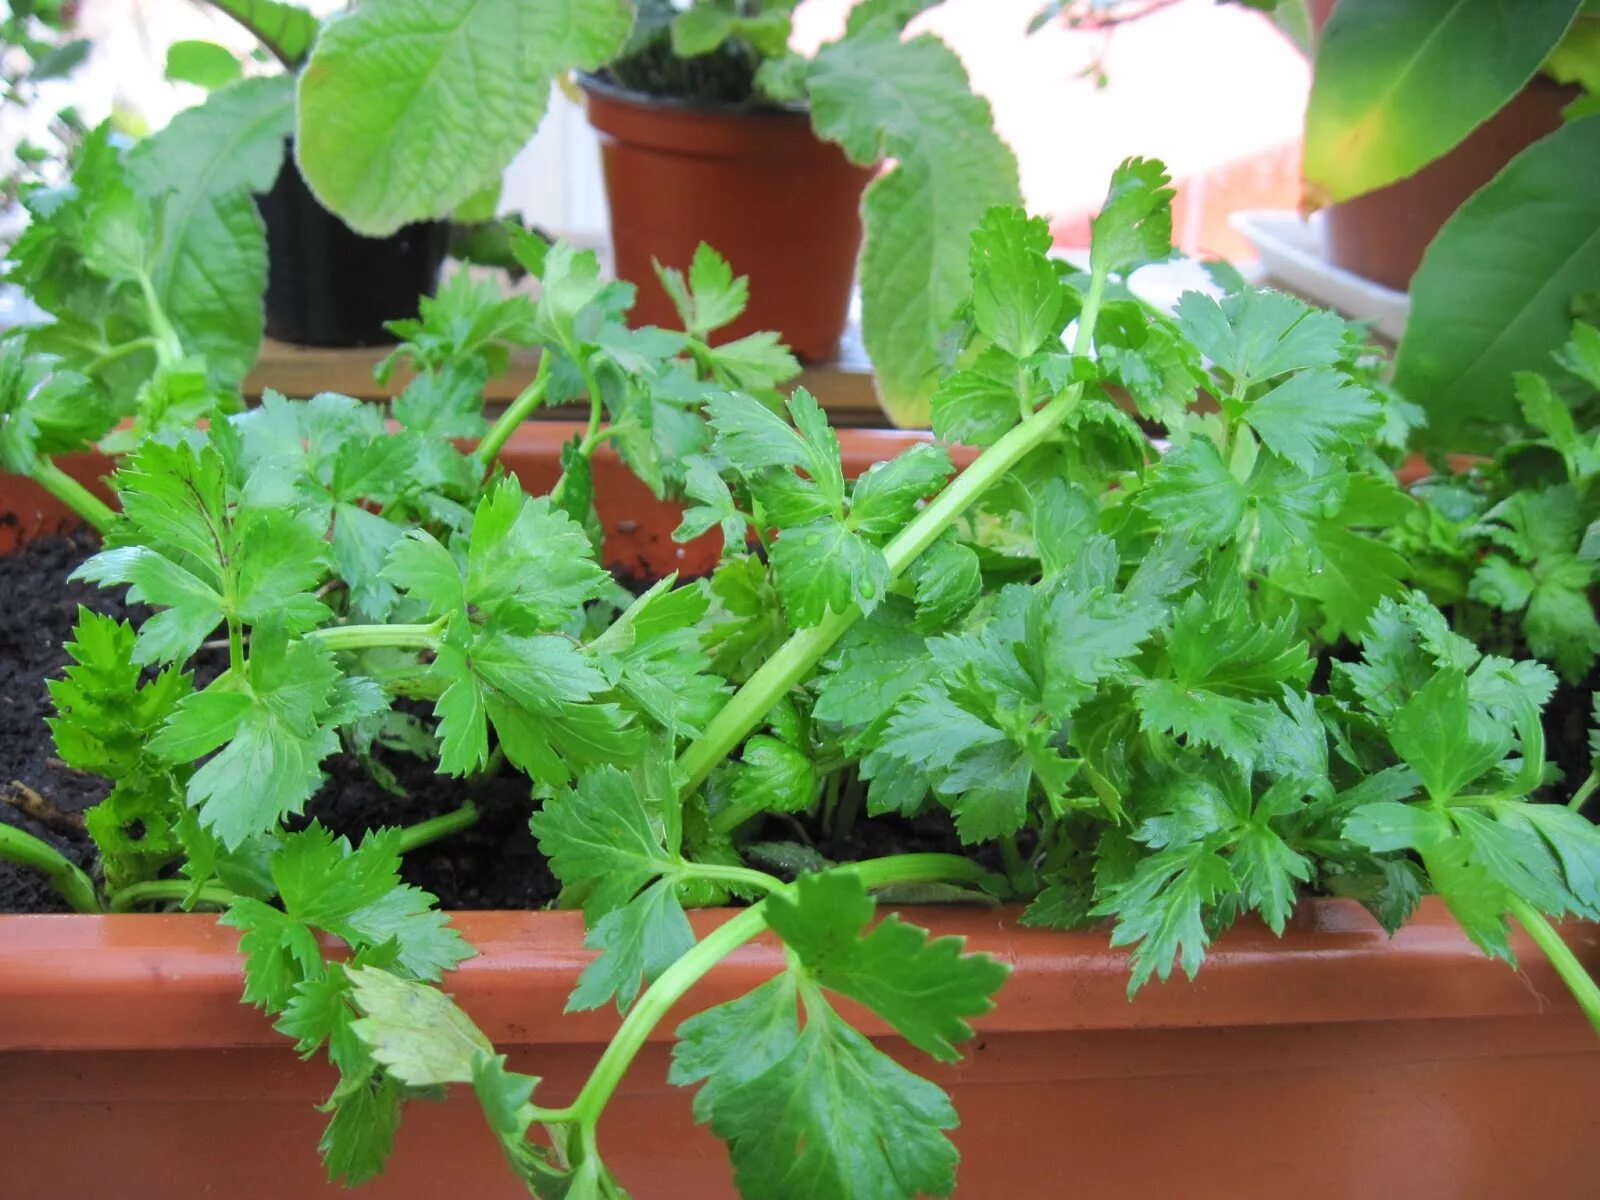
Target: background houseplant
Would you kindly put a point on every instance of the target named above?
(326, 284)
(693, 151)
(1399, 134)
(1090, 662)
(874, 94)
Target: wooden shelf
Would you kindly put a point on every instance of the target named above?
(844, 387)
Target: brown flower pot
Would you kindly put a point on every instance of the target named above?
(1330, 1063)
(781, 205)
(1382, 235)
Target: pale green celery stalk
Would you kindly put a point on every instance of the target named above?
(1561, 957)
(1585, 790)
(74, 495)
(65, 876)
(674, 983)
(168, 347)
(434, 829)
(236, 660)
(379, 637)
(516, 412)
(796, 658)
(120, 351)
(168, 890)
(593, 435)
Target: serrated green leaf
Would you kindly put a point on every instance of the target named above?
(1134, 225)
(948, 580)
(887, 493)
(816, 1111)
(636, 943)
(1161, 906)
(602, 833)
(416, 1032)
(408, 108)
(1438, 734)
(715, 507)
(711, 297)
(1192, 492)
(45, 410)
(824, 567)
(1267, 870)
(1258, 334)
(1312, 415)
(977, 404)
(926, 989)
(1017, 300)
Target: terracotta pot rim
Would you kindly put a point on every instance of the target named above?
(607, 89)
(174, 980)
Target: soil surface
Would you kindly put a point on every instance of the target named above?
(494, 864)
(39, 608)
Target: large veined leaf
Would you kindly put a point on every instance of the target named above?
(285, 30)
(1492, 295)
(409, 107)
(1397, 85)
(199, 173)
(883, 98)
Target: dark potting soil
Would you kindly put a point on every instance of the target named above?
(39, 609)
(495, 864)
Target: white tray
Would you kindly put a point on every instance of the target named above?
(1292, 252)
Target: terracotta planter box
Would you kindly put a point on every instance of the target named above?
(1331, 1063)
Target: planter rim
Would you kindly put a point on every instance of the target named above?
(173, 981)
(596, 84)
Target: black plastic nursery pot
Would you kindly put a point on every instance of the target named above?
(328, 285)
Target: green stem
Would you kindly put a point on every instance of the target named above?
(1561, 957)
(675, 982)
(74, 495)
(168, 890)
(435, 828)
(122, 351)
(64, 875)
(917, 868)
(830, 802)
(375, 637)
(235, 648)
(168, 347)
(796, 657)
(672, 985)
(592, 436)
(800, 654)
(1585, 790)
(516, 412)
(1017, 870)
(742, 877)
(596, 410)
